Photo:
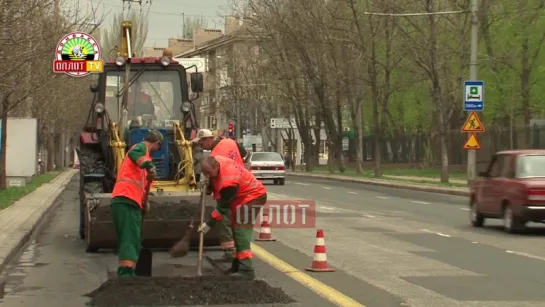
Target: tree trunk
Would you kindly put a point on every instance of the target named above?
(3, 147)
(358, 133)
(50, 152)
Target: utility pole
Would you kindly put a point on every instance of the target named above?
(237, 94)
(183, 26)
(237, 111)
(473, 75)
(279, 142)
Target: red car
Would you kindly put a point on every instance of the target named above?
(512, 189)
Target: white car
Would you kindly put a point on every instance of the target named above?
(267, 166)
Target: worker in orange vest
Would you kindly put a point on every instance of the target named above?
(127, 204)
(227, 148)
(234, 186)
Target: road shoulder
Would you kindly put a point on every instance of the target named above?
(18, 221)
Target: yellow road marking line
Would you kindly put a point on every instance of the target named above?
(306, 280)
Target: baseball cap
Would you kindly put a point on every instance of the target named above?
(202, 134)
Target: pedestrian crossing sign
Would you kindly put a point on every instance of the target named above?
(473, 124)
(472, 142)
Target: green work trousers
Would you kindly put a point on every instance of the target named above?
(127, 217)
(226, 236)
(243, 238)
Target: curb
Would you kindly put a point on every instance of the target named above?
(390, 184)
(29, 230)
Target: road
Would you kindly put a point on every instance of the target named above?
(419, 246)
(54, 270)
(391, 247)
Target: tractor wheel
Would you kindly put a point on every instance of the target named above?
(87, 188)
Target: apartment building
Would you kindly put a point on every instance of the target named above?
(220, 54)
(180, 45)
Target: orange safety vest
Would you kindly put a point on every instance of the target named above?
(131, 180)
(231, 173)
(227, 148)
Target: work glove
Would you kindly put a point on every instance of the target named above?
(202, 185)
(204, 228)
(152, 172)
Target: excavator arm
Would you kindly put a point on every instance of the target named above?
(117, 145)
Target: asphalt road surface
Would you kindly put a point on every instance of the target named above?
(391, 247)
(54, 270)
(419, 246)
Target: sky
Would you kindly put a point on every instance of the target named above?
(165, 16)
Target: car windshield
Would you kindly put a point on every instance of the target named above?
(267, 156)
(530, 166)
(155, 94)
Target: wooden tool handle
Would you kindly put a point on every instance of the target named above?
(201, 235)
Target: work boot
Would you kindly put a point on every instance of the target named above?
(124, 271)
(234, 267)
(245, 269)
(228, 256)
(244, 274)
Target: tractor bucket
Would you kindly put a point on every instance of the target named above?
(166, 223)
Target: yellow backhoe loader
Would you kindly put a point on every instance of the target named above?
(135, 94)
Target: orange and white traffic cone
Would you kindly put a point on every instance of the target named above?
(319, 261)
(265, 231)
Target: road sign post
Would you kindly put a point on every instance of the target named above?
(474, 96)
(472, 142)
(473, 124)
(473, 74)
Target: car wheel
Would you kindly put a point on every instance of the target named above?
(282, 181)
(511, 223)
(275, 181)
(476, 218)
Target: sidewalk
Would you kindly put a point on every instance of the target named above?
(18, 221)
(415, 178)
(424, 187)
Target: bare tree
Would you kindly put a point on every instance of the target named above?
(112, 37)
(26, 74)
(192, 23)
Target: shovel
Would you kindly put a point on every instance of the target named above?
(201, 234)
(145, 260)
(181, 248)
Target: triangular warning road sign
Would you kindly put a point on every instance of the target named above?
(473, 124)
(472, 142)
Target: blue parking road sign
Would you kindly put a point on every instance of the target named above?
(473, 95)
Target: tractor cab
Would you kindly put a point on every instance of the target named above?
(158, 93)
(158, 96)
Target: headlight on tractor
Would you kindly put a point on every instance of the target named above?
(99, 108)
(165, 61)
(120, 61)
(186, 106)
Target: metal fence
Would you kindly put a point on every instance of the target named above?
(425, 148)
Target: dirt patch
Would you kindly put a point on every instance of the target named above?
(182, 210)
(183, 291)
(175, 210)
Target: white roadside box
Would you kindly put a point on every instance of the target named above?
(22, 148)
